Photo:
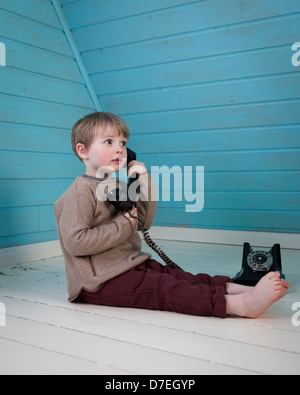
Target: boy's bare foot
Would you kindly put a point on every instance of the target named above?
(255, 302)
(285, 284)
(237, 289)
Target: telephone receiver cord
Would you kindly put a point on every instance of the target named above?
(155, 247)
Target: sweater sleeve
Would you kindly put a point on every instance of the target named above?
(78, 235)
(147, 204)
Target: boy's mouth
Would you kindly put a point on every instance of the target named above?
(119, 161)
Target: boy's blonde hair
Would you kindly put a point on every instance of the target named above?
(85, 129)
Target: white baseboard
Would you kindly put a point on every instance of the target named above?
(51, 249)
(232, 237)
(29, 253)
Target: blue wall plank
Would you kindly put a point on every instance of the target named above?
(16, 221)
(39, 10)
(196, 16)
(202, 70)
(26, 220)
(30, 32)
(263, 221)
(212, 42)
(20, 137)
(44, 88)
(42, 95)
(243, 200)
(37, 112)
(32, 192)
(276, 88)
(41, 61)
(85, 12)
(272, 181)
(244, 115)
(270, 160)
(38, 165)
(247, 138)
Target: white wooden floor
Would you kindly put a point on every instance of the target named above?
(44, 334)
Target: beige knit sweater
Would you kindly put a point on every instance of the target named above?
(97, 241)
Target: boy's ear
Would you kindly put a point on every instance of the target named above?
(82, 151)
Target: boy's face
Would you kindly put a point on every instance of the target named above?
(107, 149)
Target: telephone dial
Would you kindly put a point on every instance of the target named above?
(119, 198)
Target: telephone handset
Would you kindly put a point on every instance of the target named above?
(119, 198)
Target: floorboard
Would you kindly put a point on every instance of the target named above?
(45, 334)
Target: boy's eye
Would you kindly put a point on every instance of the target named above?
(124, 143)
(109, 141)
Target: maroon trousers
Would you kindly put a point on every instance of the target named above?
(156, 287)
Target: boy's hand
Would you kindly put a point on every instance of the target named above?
(136, 167)
(133, 221)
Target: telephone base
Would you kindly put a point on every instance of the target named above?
(256, 264)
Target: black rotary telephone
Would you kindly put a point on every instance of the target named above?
(257, 264)
(119, 198)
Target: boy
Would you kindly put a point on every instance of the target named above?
(102, 248)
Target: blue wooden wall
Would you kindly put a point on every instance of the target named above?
(207, 83)
(41, 96)
(200, 83)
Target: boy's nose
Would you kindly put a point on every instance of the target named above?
(120, 150)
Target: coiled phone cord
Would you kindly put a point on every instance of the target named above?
(155, 247)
